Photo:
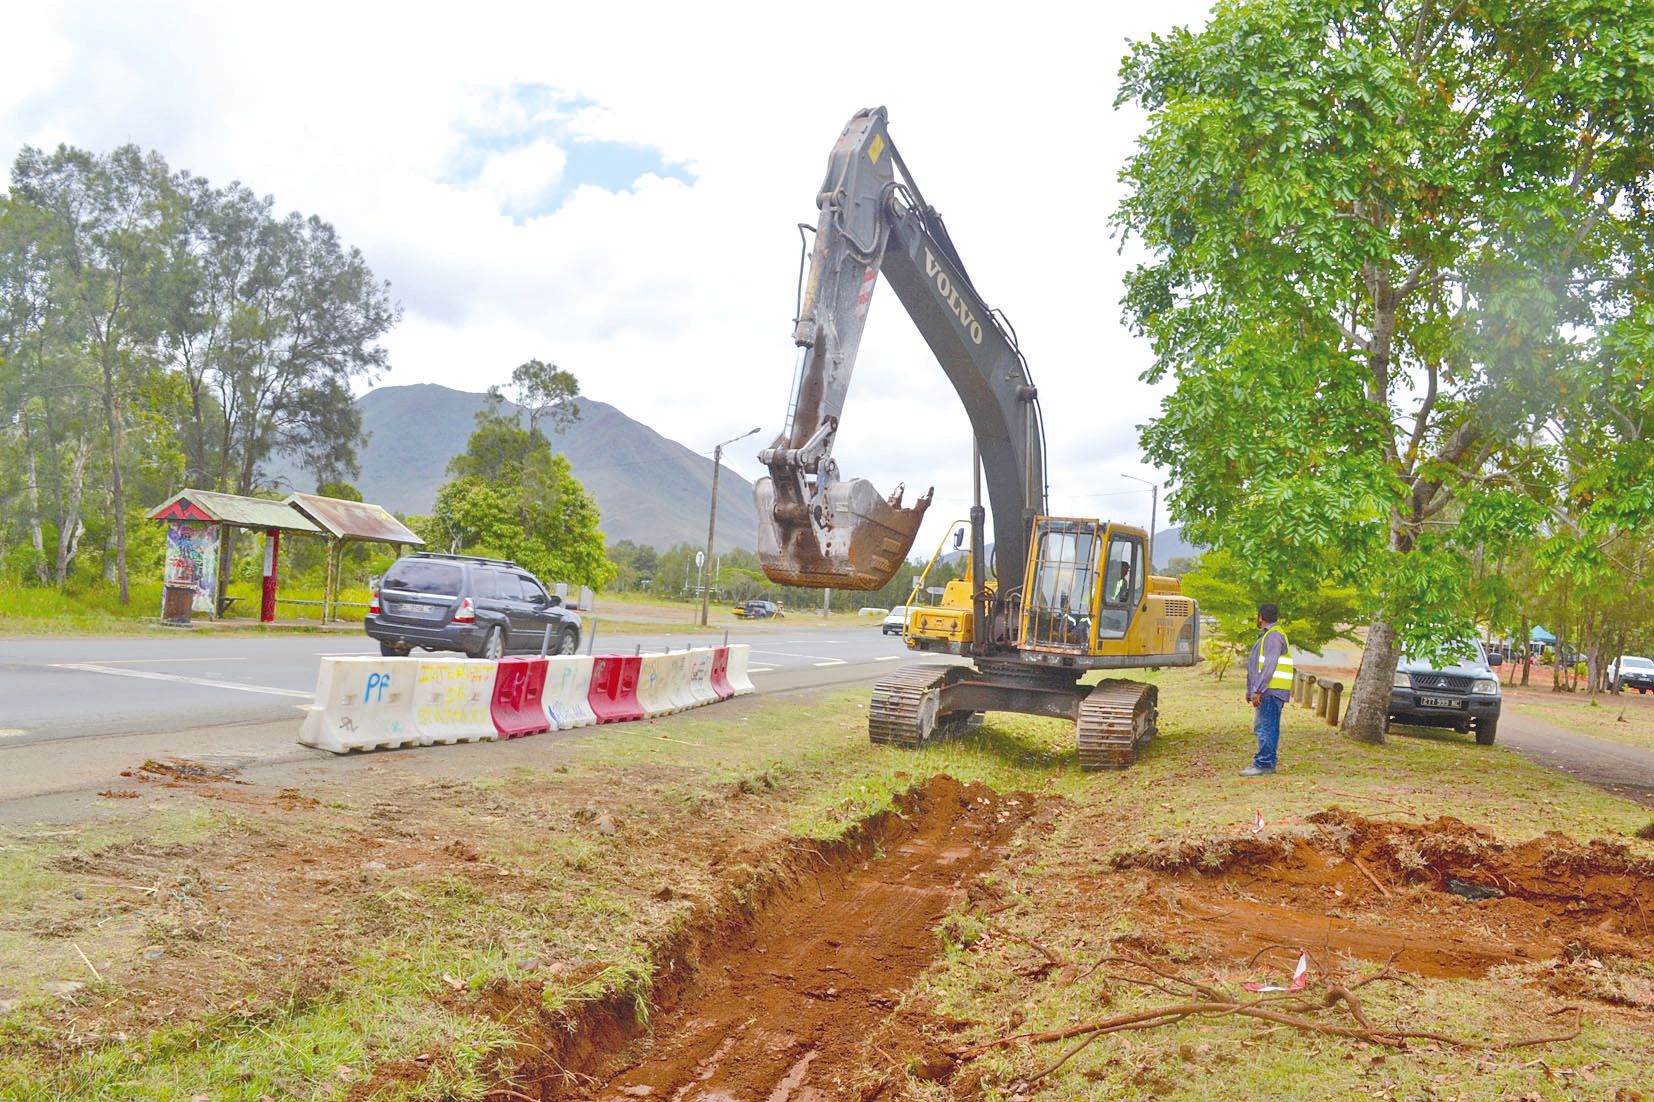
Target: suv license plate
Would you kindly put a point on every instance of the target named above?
(1440, 702)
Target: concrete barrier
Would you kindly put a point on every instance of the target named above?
(720, 673)
(699, 665)
(362, 704)
(568, 681)
(678, 683)
(451, 701)
(516, 704)
(654, 685)
(739, 682)
(613, 693)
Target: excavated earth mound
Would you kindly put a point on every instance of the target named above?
(773, 995)
(1442, 898)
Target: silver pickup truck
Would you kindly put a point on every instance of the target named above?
(1464, 696)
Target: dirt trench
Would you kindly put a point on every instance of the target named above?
(1441, 899)
(773, 997)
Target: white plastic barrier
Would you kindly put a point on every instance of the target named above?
(699, 663)
(654, 684)
(739, 680)
(362, 704)
(451, 700)
(678, 686)
(568, 683)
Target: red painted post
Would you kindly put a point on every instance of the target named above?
(272, 553)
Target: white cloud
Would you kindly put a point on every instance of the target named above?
(671, 300)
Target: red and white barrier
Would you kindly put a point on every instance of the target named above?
(368, 703)
(362, 704)
(720, 673)
(739, 681)
(516, 706)
(451, 701)
(568, 681)
(613, 693)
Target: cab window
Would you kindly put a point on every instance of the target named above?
(1122, 585)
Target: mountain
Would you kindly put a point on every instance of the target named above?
(1169, 544)
(651, 490)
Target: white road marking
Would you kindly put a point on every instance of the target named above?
(795, 654)
(346, 654)
(890, 658)
(87, 667)
(832, 662)
(11, 732)
(761, 669)
(144, 661)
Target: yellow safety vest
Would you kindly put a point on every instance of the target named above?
(1282, 677)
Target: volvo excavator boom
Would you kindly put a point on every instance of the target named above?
(1068, 595)
(816, 529)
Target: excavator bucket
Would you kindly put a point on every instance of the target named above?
(857, 541)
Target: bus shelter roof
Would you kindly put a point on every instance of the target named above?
(211, 507)
(354, 520)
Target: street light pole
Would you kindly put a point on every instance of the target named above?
(712, 517)
(1154, 512)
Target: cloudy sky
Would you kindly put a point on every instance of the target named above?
(615, 188)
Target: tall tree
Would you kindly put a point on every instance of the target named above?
(111, 213)
(1383, 240)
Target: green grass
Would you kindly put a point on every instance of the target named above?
(555, 901)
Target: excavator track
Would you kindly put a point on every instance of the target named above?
(1116, 718)
(904, 711)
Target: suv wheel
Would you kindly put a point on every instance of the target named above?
(1486, 730)
(493, 646)
(568, 642)
(394, 650)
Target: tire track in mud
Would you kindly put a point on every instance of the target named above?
(780, 1006)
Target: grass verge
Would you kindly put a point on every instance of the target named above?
(353, 940)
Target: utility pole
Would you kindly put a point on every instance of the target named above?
(712, 517)
(1154, 512)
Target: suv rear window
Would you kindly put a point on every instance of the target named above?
(425, 577)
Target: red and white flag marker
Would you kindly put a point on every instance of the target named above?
(1300, 977)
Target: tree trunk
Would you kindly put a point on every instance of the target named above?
(117, 488)
(36, 536)
(71, 529)
(1370, 698)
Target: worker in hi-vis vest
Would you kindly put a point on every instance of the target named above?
(1268, 688)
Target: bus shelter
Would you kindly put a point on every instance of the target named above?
(197, 520)
(344, 522)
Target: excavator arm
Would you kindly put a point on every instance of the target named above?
(816, 529)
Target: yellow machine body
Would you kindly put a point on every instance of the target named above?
(1088, 601)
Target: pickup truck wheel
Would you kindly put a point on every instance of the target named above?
(568, 642)
(1486, 730)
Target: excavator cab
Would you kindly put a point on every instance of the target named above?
(1087, 587)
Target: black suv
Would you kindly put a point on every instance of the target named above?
(1465, 696)
(484, 607)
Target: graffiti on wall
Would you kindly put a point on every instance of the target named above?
(192, 560)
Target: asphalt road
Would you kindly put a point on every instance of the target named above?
(77, 710)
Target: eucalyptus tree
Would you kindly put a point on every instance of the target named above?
(1385, 243)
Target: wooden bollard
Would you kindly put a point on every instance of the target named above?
(1300, 688)
(1333, 690)
(1321, 698)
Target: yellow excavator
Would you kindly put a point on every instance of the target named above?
(1062, 596)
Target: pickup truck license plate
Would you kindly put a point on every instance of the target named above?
(1440, 702)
